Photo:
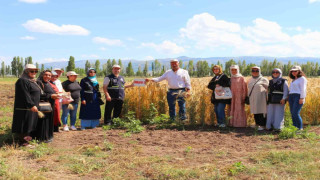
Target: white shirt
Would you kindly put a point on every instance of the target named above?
(59, 85)
(299, 86)
(176, 80)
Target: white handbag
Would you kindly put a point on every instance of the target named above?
(223, 93)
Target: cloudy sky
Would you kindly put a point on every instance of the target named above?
(52, 30)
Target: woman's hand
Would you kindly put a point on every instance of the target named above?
(34, 109)
(283, 101)
(83, 102)
(55, 96)
(301, 100)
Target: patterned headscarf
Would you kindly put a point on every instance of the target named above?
(277, 78)
(93, 79)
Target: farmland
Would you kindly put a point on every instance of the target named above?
(194, 151)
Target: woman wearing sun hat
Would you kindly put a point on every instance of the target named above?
(297, 95)
(71, 85)
(26, 103)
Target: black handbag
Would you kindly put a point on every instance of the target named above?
(45, 107)
(247, 99)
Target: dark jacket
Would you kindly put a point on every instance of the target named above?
(92, 96)
(116, 87)
(27, 95)
(74, 88)
(223, 81)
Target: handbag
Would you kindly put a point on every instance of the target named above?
(247, 99)
(45, 107)
(225, 93)
(275, 97)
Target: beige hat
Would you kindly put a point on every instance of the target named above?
(116, 66)
(295, 68)
(174, 60)
(58, 69)
(30, 66)
(72, 73)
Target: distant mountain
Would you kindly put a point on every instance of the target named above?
(210, 60)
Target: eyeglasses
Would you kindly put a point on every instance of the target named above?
(32, 71)
(254, 70)
(275, 72)
(92, 72)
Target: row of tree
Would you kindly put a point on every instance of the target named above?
(198, 69)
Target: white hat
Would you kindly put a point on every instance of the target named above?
(57, 69)
(30, 66)
(116, 66)
(72, 73)
(295, 68)
(54, 73)
(174, 60)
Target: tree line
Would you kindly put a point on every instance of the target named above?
(195, 69)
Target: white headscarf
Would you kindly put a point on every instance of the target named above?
(238, 71)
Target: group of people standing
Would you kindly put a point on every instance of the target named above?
(267, 99)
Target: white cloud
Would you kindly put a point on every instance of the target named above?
(261, 38)
(28, 38)
(110, 42)
(313, 1)
(33, 1)
(93, 56)
(265, 31)
(41, 26)
(166, 47)
(148, 58)
(206, 30)
(50, 59)
(102, 49)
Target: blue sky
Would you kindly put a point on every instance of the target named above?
(52, 30)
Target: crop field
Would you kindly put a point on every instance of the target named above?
(148, 146)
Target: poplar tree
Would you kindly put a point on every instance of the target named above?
(71, 65)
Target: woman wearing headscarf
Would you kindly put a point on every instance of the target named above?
(56, 117)
(257, 92)
(90, 112)
(297, 95)
(239, 93)
(45, 125)
(277, 95)
(219, 80)
(26, 104)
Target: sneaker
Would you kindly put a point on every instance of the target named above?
(222, 126)
(260, 128)
(65, 128)
(73, 128)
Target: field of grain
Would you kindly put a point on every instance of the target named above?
(180, 152)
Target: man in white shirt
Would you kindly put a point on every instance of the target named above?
(179, 88)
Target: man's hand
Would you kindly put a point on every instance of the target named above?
(108, 98)
(84, 102)
(147, 80)
(301, 100)
(34, 109)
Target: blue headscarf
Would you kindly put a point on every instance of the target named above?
(93, 79)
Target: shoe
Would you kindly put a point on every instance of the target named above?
(260, 128)
(108, 124)
(222, 126)
(66, 128)
(73, 128)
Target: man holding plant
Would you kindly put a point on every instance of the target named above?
(179, 88)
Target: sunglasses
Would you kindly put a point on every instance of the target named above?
(33, 71)
(294, 71)
(275, 72)
(254, 70)
(92, 72)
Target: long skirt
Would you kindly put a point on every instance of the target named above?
(275, 117)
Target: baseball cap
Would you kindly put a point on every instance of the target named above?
(174, 60)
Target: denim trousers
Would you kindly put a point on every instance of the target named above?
(172, 97)
(73, 114)
(219, 109)
(295, 109)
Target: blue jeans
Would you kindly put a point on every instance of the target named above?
(172, 97)
(295, 109)
(220, 113)
(73, 114)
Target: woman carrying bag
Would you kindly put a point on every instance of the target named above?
(219, 81)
